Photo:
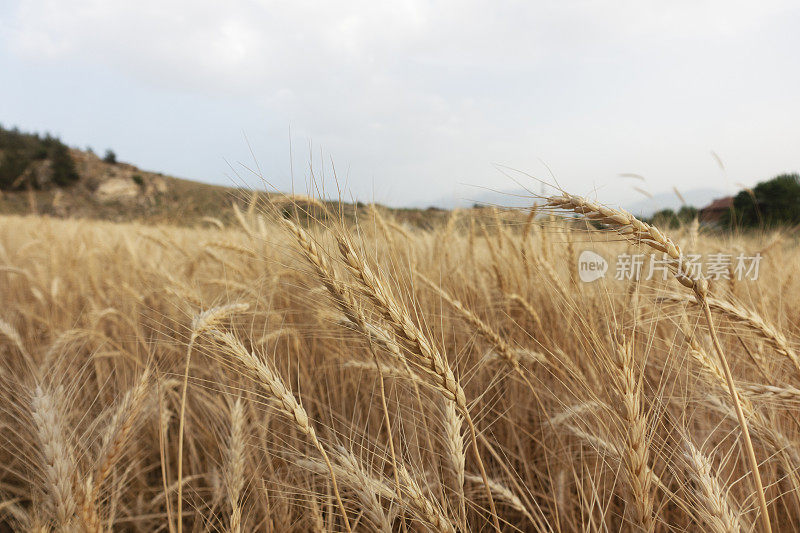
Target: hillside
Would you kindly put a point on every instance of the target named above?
(115, 191)
(121, 192)
(40, 175)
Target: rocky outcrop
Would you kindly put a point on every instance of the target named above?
(117, 190)
(118, 182)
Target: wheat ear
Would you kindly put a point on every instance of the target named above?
(528, 309)
(58, 462)
(200, 324)
(423, 504)
(425, 355)
(635, 456)
(504, 494)
(771, 393)
(119, 431)
(369, 488)
(740, 314)
(364, 486)
(720, 516)
(505, 351)
(347, 304)
(454, 444)
(234, 471)
(286, 402)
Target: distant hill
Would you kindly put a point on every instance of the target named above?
(40, 175)
(120, 192)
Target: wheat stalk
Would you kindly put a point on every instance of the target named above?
(638, 232)
(345, 301)
(287, 403)
(424, 353)
(201, 323)
(740, 314)
(113, 445)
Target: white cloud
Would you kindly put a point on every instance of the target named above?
(422, 90)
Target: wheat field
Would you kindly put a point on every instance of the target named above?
(303, 372)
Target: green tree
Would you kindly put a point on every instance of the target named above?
(670, 219)
(18, 151)
(64, 172)
(12, 166)
(770, 203)
(665, 218)
(110, 156)
(687, 213)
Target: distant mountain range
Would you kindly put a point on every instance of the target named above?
(518, 198)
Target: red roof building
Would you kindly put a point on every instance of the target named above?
(714, 211)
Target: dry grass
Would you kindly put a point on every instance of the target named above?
(286, 374)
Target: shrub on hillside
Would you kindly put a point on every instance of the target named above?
(669, 218)
(19, 152)
(64, 172)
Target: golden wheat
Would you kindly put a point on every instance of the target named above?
(299, 370)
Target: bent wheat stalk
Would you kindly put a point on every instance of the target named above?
(425, 355)
(344, 300)
(286, 402)
(200, 324)
(637, 232)
(752, 319)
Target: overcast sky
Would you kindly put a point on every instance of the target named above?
(415, 101)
